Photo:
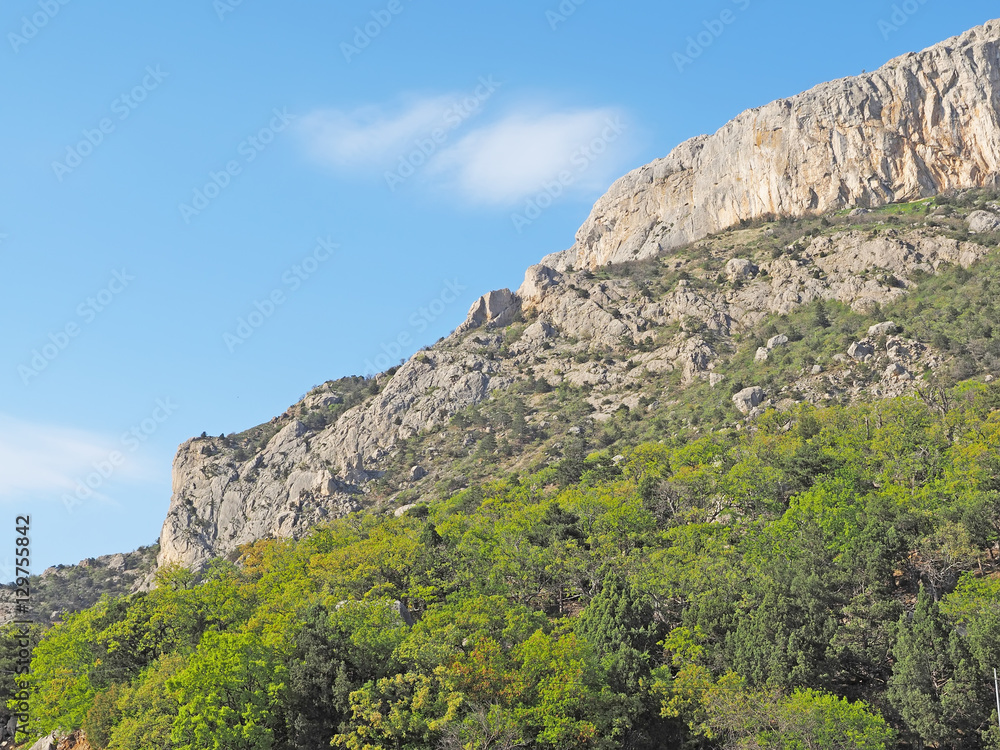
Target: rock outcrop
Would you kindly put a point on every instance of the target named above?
(983, 221)
(921, 124)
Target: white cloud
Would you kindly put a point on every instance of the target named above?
(40, 460)
(517, 156)
(372, 135)
(498, 162)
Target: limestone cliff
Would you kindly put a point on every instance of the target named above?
(922, 124)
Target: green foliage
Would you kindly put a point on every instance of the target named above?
(936, 686)
(227, 694)
(750, 589)
(63, 590)
(146, 709)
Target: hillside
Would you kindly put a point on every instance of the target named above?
(920, 125)
(648, 349)
(678, 267)
(69, 588)
(824, 578)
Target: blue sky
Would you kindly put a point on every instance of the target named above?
(206, 208)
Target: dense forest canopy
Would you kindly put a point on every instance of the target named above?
(826, 578)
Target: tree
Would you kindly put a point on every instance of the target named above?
(319, 685)
(820, 317)
(570, 469)
(146, 709)
(228, 695)
(934, 685)
(104, 713)
(335, 654)
(619, 624)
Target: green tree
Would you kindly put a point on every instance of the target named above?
(147, 709)
(335, 654)
(571, 467)
(228, 695)
(934, 685)
(619, 624)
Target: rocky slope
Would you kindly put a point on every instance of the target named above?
(70, 588)
(584, 350)
(634, 337)
(923, 123)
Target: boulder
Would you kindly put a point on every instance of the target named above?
(48, 742)
(897, 372)
(749, 399)
(883, 329)
(321, 400)
(860, 350)
(776, 341)
(740, 268)
(983, 221)
(538, 280)
(496, 308)
(762, 354)
(417, 473)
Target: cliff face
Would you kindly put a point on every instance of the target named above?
(300, 476)
(922, 124)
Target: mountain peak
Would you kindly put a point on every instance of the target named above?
(921, 124)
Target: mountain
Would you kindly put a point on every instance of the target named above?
(691, 283)
(922, 124)
(733, 488)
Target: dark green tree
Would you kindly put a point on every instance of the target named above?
(570, 469)
(620, 625)
(935, 685)
(319, 684)
(821, 318)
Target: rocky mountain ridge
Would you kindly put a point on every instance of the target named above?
(921, 124)
(69, 588)
(609, 338)
(656, 307)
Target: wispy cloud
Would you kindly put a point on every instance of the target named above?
(515, 157)
(500, 161)
(370, 136)
(40, 460)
